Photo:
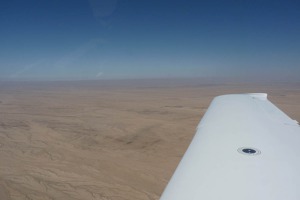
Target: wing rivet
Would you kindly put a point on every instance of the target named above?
(249, 151)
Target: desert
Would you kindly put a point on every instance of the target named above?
(107, 139)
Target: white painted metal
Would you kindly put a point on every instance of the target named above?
(213, 169)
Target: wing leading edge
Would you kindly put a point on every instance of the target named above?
(244, 148)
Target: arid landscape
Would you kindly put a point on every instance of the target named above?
(108, 140)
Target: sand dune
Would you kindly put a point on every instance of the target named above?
(103, 139)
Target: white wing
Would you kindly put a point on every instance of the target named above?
(245, 148)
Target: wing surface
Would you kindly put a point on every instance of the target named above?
(245, 148)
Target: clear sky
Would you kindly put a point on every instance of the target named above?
(104, 39)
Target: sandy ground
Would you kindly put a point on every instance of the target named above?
(109, 140)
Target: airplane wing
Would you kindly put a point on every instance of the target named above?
(245, 148)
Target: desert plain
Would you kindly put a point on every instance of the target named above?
(108, 140)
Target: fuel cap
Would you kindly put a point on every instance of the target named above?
(249, 151)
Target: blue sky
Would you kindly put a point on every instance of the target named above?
(108, 39)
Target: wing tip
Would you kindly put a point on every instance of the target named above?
(260, 96)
